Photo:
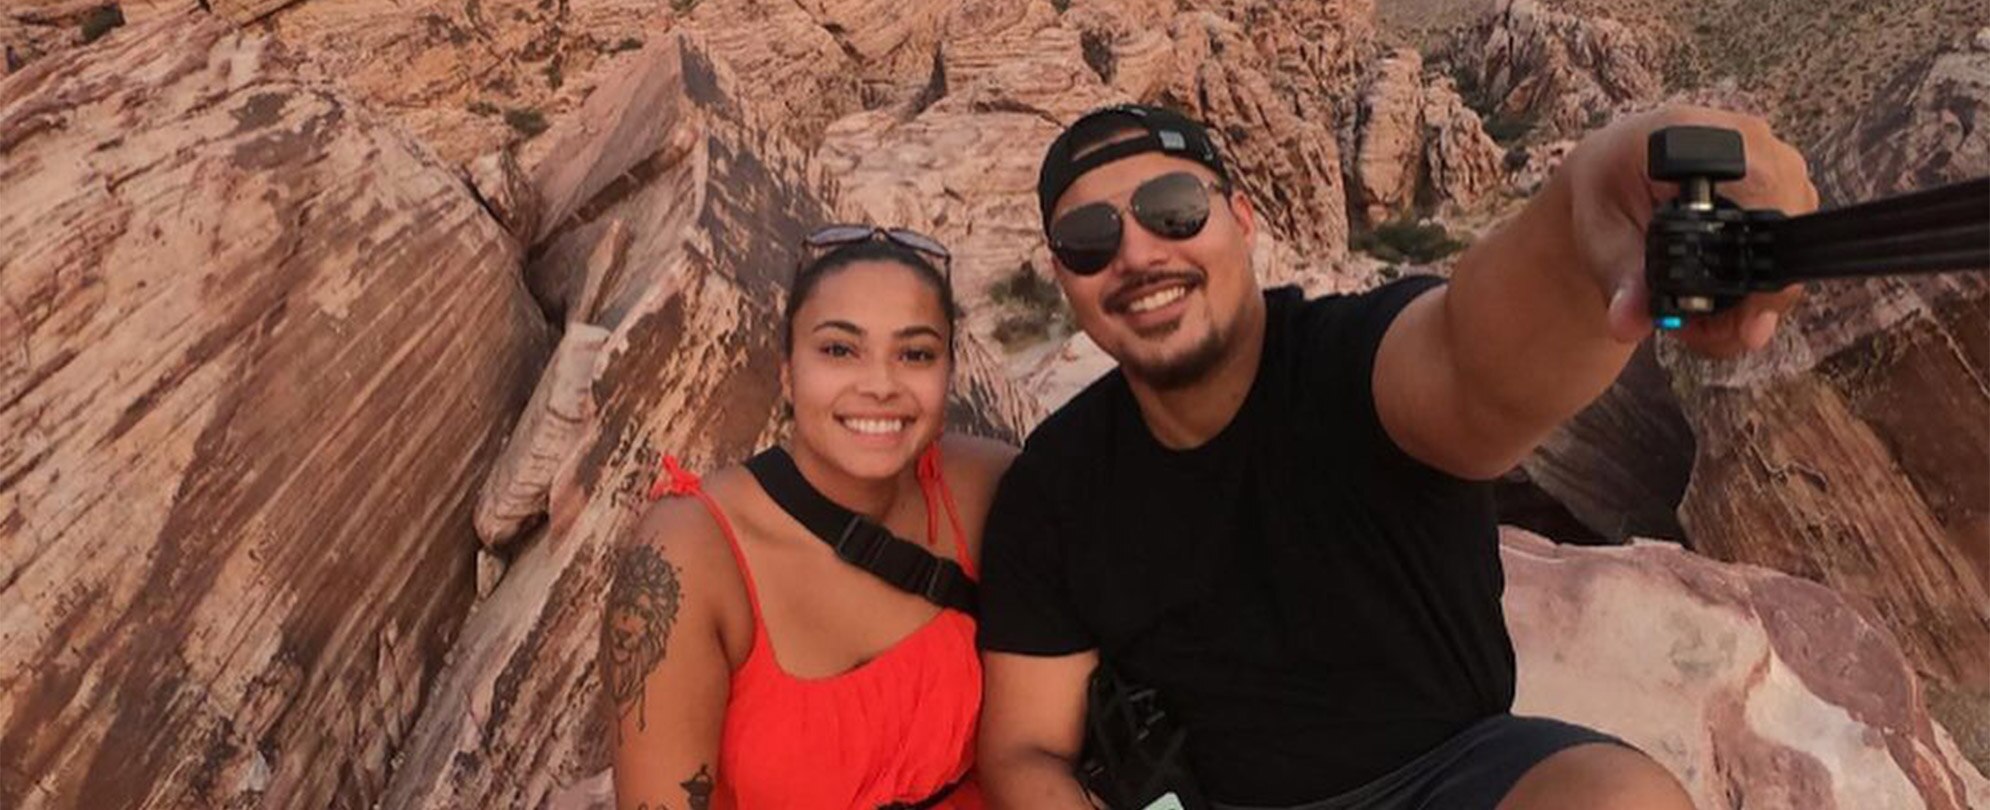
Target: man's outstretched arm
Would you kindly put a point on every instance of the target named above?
(1032, 729)
(1541, 316)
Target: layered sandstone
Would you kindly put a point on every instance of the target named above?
(1545, 74)
(261, 348)
(1621, 465)
(1852, 454)
(468, 79)
(278, 373)
(1418, 146)
(1927, 129)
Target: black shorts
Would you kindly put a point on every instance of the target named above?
(1471, 771)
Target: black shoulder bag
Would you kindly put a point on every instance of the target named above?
(1134, 757)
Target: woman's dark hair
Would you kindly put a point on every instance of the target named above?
(815, 270)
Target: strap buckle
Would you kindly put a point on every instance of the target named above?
(935, 567)
(860, 542)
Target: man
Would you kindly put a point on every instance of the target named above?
(1275, 510)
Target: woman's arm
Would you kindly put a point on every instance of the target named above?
(663, 661)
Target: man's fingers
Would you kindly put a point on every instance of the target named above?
(1759, 330)
(1630, 312)
(1747, 327)
(1713, 336)
(1765, 312)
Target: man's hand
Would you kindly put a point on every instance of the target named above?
(1612, 200)
(1541, 314)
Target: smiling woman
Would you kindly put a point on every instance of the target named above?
(740, 643)
(869, 350)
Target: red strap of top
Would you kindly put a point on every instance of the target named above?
(933, 483)
(678, 481)
(675, 480)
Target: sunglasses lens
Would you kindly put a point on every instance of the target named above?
(1174, 205)
(829, 235)
(919, 242)
(1086, 238)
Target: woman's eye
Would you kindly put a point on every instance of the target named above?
(838, 350)
(920, 355)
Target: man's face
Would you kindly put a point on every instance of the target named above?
(1166, 309)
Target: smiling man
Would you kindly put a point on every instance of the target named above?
(1274, 511)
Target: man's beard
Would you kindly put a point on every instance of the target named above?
(1182, 370)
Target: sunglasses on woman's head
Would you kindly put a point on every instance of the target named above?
(1172, 206)
(830, 237)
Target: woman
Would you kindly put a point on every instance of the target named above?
(752, 667)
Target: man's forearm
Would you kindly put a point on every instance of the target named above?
(1032, 779)
(1528, 322)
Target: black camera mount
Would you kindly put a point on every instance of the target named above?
(1703, 253)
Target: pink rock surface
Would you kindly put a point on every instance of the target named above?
(1756, 689)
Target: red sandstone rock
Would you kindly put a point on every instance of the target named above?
(261, 346)
(1555, 75)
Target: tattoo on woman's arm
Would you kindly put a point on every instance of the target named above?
(635, 633)
(699, 789)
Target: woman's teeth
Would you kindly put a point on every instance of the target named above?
(1157, 299)
(875, 427)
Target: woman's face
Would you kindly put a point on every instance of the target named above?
(868, 370)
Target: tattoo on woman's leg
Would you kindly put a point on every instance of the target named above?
(699, 789)
(635, 632)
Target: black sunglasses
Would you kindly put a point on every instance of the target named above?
(830, 237)
(1172, 206)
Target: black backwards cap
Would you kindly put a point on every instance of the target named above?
(1168, 132)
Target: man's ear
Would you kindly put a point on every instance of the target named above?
(1247, 216)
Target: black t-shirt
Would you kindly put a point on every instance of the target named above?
(1315, 606)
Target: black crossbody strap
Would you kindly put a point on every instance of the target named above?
(859, 541)
(930, 801)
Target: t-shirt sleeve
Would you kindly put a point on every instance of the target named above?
(1026, 606)
(1341, 335)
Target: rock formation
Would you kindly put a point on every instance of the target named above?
(1755, 688)
(32, 29)
(961, 163)
(1621, 465)
(1925, 130)
(1418, 146)
(1852, 454)
(1462, 164)
(1546, 75)
(467, 78)
(1388, 155)
(260, 348)
(342, 347)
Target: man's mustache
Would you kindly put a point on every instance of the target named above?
(1136, 286)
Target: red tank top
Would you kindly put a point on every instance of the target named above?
(897, 728)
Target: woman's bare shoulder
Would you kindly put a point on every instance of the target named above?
(683, 532)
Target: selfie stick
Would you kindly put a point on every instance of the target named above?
(1703, 253)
